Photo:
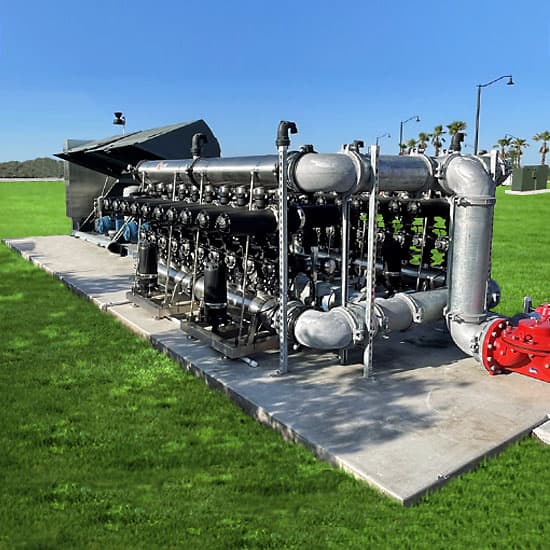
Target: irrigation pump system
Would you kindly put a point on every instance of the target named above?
(302, 249)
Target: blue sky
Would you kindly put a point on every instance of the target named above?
(342, 71)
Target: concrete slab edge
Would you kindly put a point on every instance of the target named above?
(452, 474)
(267, 419)
(531, 192)
(542, 432)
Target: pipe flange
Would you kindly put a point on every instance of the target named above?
(292, 161)
(354, 320)
(416, 310)
(488, 337)
(360, 170)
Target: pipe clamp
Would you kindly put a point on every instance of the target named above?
(482, 200)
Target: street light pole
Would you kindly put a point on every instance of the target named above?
(386, 135)
(401, 124)
(478, 109)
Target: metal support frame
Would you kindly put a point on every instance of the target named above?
(343, 353)
(195, 259)
(283, 260)
(245, 260)
(170, 235)
(371, 259)
(283, 143)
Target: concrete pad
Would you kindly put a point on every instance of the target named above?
(532, 192)
(429, 414)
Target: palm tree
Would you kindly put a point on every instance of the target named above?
(503, 143)
(455, 128)
(402, 148)
(545, 138)
(423, 139)
(518, 144)
(411, 144)
(437, 139)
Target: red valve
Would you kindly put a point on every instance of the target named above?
(524, 348)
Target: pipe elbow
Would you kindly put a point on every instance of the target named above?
(325, 330)
(469, 337)
(467, 177)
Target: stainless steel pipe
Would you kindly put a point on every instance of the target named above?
(344, 172)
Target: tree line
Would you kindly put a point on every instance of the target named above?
(510, 147)
(43, 167)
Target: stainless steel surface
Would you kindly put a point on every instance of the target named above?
(217, 171)
(253, 303)
(410, 173)
(326, 172)
(343, 172)
(339, 327)
(474, 197)
(164, 170)
(326, 330)
(403, 310)
(371, 261)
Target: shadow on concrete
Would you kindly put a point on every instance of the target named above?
(328, 407)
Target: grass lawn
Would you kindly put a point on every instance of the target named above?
(106, 443)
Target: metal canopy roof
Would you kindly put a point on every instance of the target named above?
(112, 155)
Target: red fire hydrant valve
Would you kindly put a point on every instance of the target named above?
(524, 348)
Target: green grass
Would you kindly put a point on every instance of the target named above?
(106, 443)
(33, 208)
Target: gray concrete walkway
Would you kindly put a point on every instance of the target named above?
(429, 414)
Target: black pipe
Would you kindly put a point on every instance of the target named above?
(146, 273)
(197, 142)
(254, 222)
(215, 294)
(245, 222)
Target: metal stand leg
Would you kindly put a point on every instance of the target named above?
(283, 141)
(371, 268)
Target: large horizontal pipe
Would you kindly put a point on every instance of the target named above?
(404, 173)
(336, 328)
(254, 304)
(216, 171)
(310, 172)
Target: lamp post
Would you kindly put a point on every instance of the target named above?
(401, 124)
(479, 86)
(386, 135)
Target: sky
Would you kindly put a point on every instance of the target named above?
(341, 71)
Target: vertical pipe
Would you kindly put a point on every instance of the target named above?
(371, 267)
